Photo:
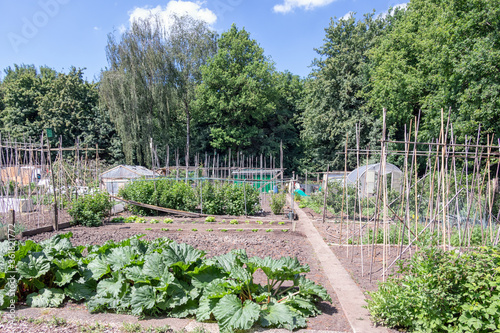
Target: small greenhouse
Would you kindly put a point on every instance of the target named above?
(115, 178)
(367, 176)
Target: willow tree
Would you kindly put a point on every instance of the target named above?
(191, 43)
(148, 87)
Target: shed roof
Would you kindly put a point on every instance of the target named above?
(127, 172)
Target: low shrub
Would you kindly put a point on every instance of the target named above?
(278, 202)
(90, 209)
(442, 291)
(162, 192)
(229, 199)
(210, 219)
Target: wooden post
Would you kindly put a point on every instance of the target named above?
(54, 205)
(325, 189)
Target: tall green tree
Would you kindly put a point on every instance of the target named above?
(149, 86)
(237, 97)
(191, 44)
(334, 101)
(441, 54)
(137, 89)
(36, 99)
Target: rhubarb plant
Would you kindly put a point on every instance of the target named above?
(162, 277)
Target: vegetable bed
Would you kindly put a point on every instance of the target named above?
(273, 244)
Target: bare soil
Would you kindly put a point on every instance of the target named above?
(363, 262)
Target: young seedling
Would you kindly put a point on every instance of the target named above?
(223, 230)
(269, 230)
(210, 229)
(281, 223)
(255, 230)
(194, 229)
(165, 229)
(210, 219)
(154, 221)
(168, 220)
(148, 229)
(233, 222)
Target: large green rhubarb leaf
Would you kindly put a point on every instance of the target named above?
(143, 298)
(112, 286)
(80, 291)
(64, 276)
(154, 266)
(99, 267)
(202, 276)
(181, 255)
(46, 297)
(206, 307)
(33, 266)
(120, 257)
(308, 287)
(280, 315)
(232, 315)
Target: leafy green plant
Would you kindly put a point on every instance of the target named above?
(224, 198)
(269, 230)
(140, 220)
(278, 202)
(148, 229)
(441, 291)
(259, 222)
(165, 229)
(180, 229)
(194, 229)
(162, 277)
(119, 219)
(239, 229)
(154, 221)
(161, 192)
(223, 230)
(255, 230)
(281, 223)
(210, 230)
(284, 230)
(210, 219)
(233, 222)
(130, 219)
(89, 210)
(271, 222)
(168, 220)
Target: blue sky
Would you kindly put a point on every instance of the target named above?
(65, 33)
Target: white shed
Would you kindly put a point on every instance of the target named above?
(367, 177)
(115, 178)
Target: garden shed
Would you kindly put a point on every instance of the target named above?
(114, 179)
(367, 176)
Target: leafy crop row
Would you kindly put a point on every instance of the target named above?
(161, 277)
(216, 198)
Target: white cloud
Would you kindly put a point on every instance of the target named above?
(122, 28)
(394, 7)
(97, 28)
(174, 7)
(289, 5)
(346, 16)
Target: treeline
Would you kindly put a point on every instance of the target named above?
(195, 92)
